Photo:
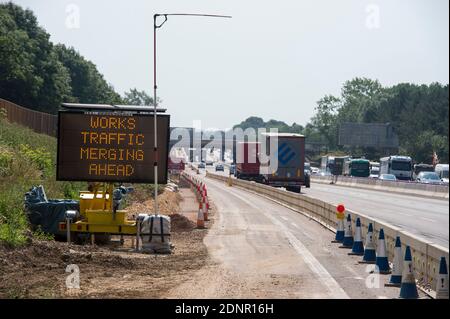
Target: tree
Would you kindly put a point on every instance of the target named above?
(257, 122)
(36, 74)
(358, 97)
(418, 113)
(135, 97)
(88, 85)
(325, 120)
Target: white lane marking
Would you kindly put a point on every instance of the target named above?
(404, 214)
(286, 219)
(354, 273)
(428, 219)
(313, 264)
(295, 225)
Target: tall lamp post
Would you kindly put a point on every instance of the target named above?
(155, 103)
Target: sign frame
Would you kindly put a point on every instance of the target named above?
(162, 179)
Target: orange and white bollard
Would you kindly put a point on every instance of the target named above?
(200, 217)
(205, 208)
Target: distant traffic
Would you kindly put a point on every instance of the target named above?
(393, 168)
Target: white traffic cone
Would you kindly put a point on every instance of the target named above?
(408, 288)
(382, 259)
(358, 247)
(369, 248)
(397, 265)
(348, 236)
(340, 232)
(442, 281)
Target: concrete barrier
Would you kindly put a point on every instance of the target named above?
(400, 187)
(426, 255)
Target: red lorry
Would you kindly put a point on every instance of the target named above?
(290, 158)
(176, 166)
(247, 162)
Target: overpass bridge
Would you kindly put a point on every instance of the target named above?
(196, 143)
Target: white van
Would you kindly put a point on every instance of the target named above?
(442, 171)
(400, 166)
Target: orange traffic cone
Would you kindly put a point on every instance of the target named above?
(200, 217)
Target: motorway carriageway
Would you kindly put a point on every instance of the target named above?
(427, 218)
(261, 249)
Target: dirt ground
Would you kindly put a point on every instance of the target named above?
(38, 270)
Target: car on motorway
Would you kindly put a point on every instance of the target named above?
(307, 172)
(442, 171)
(219, 167)
(232, 169)
(324, 173)
(307, 166)
(201, 165)
(374, 172)
(307, 178)
(429, 178)
(209, 163)
(418, 168)
(315, 170)
(388, 177)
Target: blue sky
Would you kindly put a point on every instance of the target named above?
(273, 59)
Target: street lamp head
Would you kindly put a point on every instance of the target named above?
(165, 15)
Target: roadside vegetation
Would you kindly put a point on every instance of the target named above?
(40, 75)
(418, 114)
(26, 159)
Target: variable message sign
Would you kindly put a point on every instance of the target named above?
(110, 147)
(378, 135)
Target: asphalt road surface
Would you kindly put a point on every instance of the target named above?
(265, 250)
(427, 218)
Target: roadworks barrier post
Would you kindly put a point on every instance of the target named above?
(358, 247)
(348, 236)
(442, 281)
(397, 265)
(204, 208)
(369, 249)
(382, 259)
(408, 288)
(200, 217)
(340, 229)
(339, 232)
(204, 190)
(68, 220)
